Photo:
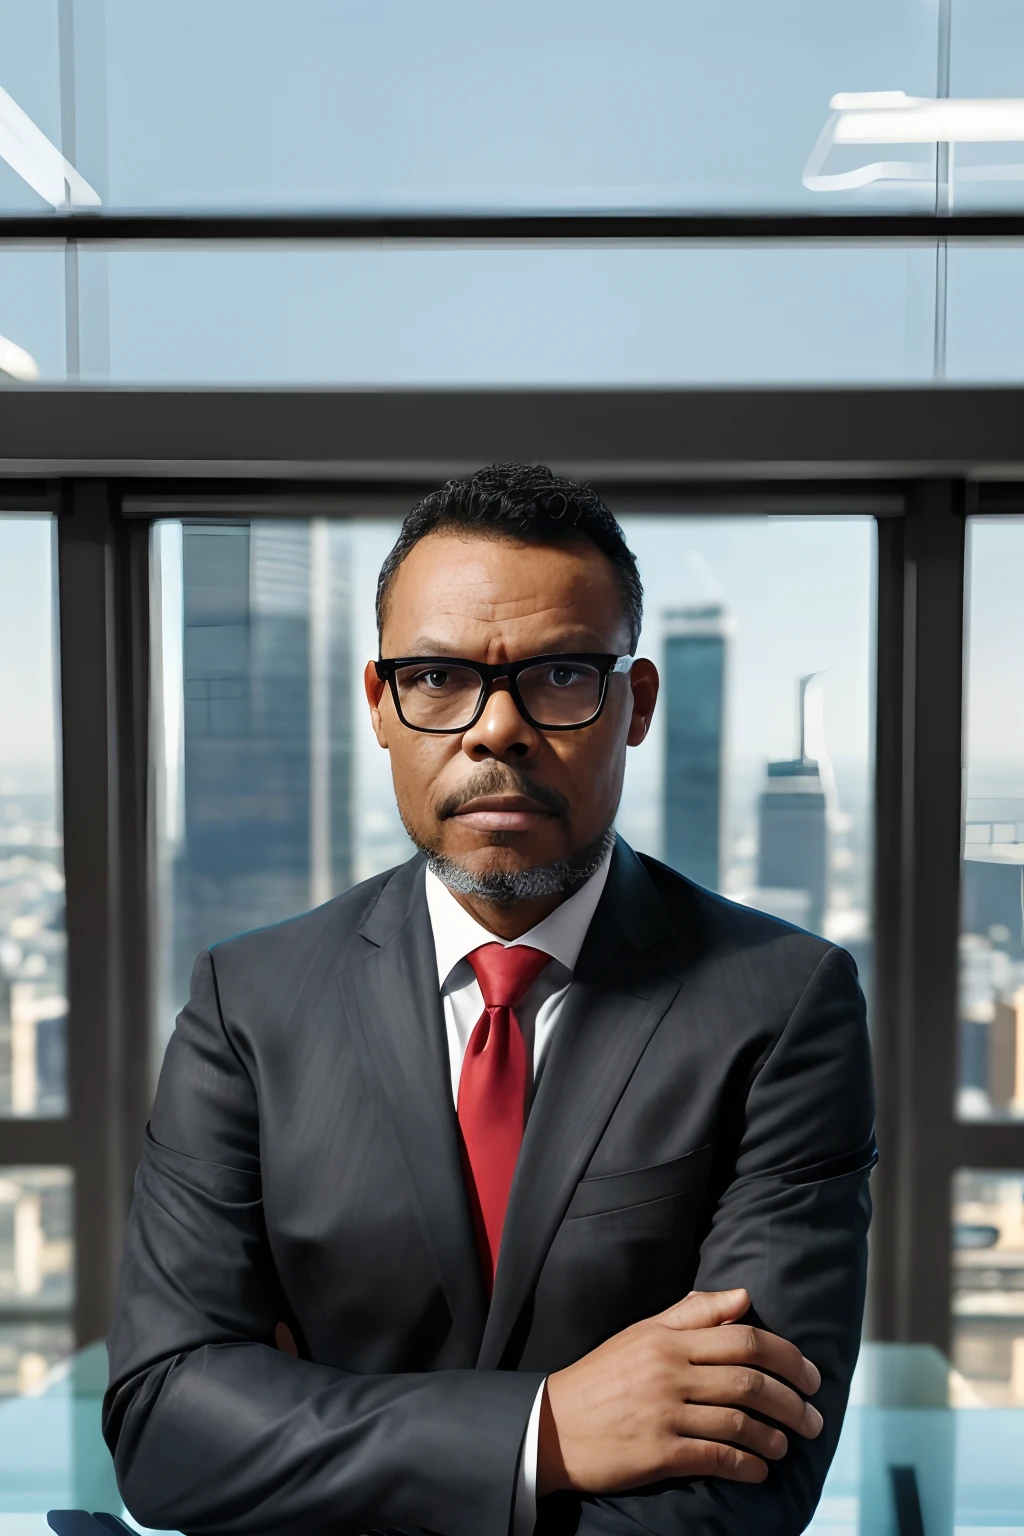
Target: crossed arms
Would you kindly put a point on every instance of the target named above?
(661, 1430)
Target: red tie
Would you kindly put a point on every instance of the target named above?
(492, 1089)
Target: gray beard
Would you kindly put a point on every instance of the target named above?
(506, 889)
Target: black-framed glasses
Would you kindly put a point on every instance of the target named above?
(446, 694)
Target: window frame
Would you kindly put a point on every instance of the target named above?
(110, 463)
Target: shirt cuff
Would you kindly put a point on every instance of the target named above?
(524, 1510)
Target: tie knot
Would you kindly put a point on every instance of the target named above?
(506, 974)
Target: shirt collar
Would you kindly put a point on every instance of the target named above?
(560, 934)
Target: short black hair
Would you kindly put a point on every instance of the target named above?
(519, 501)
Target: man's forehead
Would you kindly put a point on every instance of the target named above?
(470, 594)
(478, 573)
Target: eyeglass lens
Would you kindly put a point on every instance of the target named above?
(446, 698)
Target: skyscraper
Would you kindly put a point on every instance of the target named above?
(793, 832)
(694, 701)
(267, 749)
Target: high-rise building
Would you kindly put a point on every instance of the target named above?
(992, 896)
(1006, 1054)
(267, 736)
(693, 695)
(792, 860)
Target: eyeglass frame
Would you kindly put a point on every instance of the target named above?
(603, 661)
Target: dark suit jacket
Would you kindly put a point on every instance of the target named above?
(703, 1119)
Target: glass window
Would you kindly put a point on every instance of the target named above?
(985, 313)
(274, 794)
(37, 1259)
(28, 1351)
(30, 76)
(256, 678)
(32, 315)
(460, 105)
(756, 777)
(988, 1286)
(986, 56)
(991, 1009)
(33, 1001)
(489, 314)
(36, 1240)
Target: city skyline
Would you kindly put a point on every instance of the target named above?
(776, 571)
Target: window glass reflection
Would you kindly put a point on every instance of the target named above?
(32, 315)
(986, 55)
(574, 315)
(37, 1252)
(463, 106)
(985, 313)
(30, 75)
(991, 997)
(33, 1002)
(28, 1351)
(988, 1287)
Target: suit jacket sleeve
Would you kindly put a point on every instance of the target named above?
(212, 1429)
(792, 1228)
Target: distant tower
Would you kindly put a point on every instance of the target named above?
(267, 749)
(793, 841)
(694, 704)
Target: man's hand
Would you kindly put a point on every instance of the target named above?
(666, 1398)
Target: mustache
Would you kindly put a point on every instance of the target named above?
(500, 779)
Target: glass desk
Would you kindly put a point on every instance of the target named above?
(968, 1463)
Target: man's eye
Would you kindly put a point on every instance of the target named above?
(563, 677)
(434, 679)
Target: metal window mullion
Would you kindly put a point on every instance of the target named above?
(103, 756)
(28, 498)
(86, 561)
(650, 444)
(989, 1144)
(26, 1143)
(885, 1002)
(135, 853)
(922, 1093)
(242, 230)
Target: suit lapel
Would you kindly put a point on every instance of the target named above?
(394, 1003)
(622, 987)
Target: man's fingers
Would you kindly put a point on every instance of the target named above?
(735, 1427)
(744, 1386)
(711, 1458)
(742, 1345)
(706, 1309)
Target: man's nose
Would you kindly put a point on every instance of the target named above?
(501, 732)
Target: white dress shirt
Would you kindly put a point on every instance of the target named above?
(560, 935)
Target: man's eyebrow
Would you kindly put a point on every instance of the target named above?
(428, 645)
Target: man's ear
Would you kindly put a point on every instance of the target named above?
(644, 681)
(374, 689)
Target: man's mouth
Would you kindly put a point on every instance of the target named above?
(502, 813)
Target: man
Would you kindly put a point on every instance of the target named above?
(435, 1171)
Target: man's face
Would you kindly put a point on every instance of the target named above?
(503, 796)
